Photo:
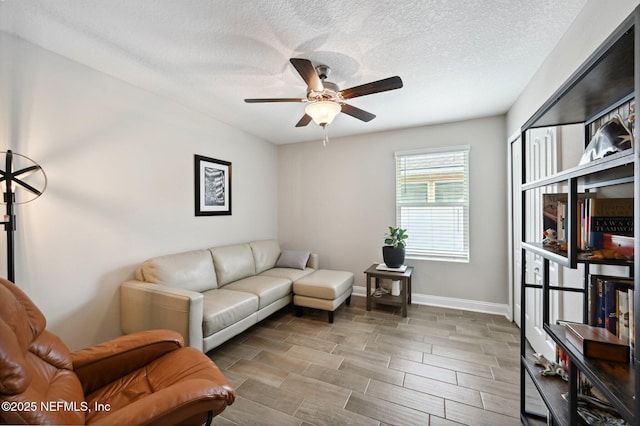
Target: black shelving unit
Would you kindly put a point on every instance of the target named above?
(606, 81)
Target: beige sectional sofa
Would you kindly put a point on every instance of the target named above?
(211, 295)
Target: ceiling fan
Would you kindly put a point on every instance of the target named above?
(325, 100)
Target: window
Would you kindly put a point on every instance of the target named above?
(432, 202)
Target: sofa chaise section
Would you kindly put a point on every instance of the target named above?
(210, 295)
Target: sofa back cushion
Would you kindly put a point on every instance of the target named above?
(265, 254)
(233, 263)
(191, 270)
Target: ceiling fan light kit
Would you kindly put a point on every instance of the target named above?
(323, 112)
(326, 100)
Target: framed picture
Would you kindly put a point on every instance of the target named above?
(213, 186)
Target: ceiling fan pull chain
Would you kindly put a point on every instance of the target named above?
(326, 135)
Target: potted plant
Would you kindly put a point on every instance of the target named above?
(393, 250)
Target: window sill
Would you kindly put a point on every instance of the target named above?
(436, 258)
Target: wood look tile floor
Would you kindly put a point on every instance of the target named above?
(436, 367)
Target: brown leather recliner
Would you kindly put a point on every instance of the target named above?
(143, 378)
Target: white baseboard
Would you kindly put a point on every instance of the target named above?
(452, 303)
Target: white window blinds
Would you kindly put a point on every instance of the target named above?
(432, 202)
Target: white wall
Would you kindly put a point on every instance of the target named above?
(597, 20)
(119, 162)
(339, 200)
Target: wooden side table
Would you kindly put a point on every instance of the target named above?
(387, 299)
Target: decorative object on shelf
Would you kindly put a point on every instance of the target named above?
(393, 251)
(380, 291)
(600, 254)
(550, 368)
(550, 237)
(612, 137)
(212, 186)
(596, 412)
(18, 169)
(396, 288)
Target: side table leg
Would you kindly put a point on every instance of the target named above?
(405, 297)
(368, 292)
(409, 293)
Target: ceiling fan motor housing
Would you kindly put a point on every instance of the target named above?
(330, 91)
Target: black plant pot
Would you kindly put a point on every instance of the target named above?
(393, 257)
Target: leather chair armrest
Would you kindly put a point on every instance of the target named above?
(148, 306)
(101, 364)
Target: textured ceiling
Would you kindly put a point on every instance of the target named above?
(458, 59)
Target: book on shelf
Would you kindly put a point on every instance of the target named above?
(610, 216)
(596, 342)
(602, 223)
(554, 212)
(613, 288)
(632, 327)
(596, 300)
(622, 320)
(609, 301)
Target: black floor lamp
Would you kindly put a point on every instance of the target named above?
(17, 170)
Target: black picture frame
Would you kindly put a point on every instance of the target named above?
(212, 186)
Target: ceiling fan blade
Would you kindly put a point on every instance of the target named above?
(306, 119)
(260, 100)
(390, 83)
(308, 73)
(358, 113)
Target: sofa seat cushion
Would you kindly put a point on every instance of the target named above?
(288, 273)
(222, 308)
(267, 289)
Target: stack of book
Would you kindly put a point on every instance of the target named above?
(603, 223)
(612, 306)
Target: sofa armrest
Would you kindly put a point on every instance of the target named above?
(147, 306)
(104, 363)
(314, 261)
